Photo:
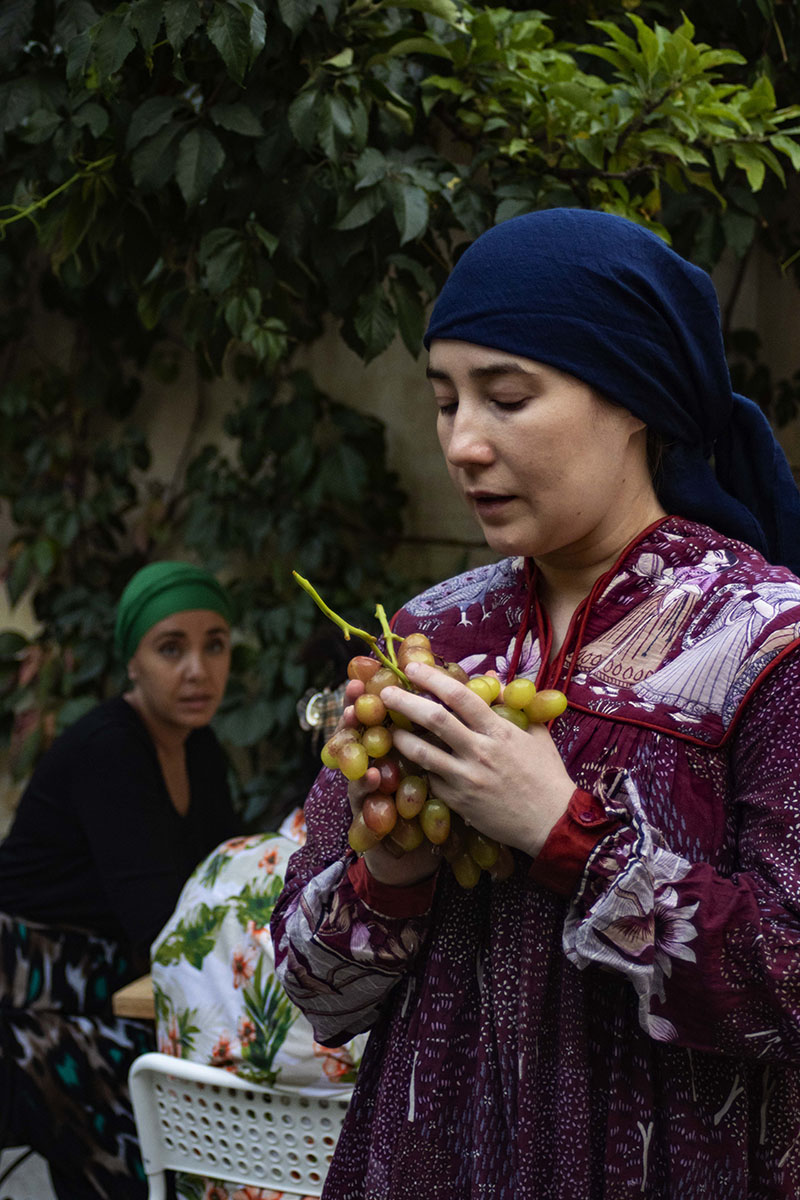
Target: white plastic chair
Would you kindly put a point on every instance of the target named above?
(205, 1121)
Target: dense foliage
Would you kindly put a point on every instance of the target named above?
(225, 176)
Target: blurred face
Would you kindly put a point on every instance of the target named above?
(547, 466)
(180, 670)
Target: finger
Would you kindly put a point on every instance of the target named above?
(359, 789)
(457, 696)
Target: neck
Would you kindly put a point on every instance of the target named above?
(168, 739)
(568, 576)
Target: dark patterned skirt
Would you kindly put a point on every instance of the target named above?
(64, 1058)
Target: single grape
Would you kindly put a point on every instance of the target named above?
(380, 680)
(399, 719)
(456, 842)
(380, 814)
(370, 710)
(483, 849)
(455, 671)
(328, 758)
(390, 772)
(360, 836)
(435, 821)
(503, 867)
(407, 834)
(411, 794)
(546, 706)
(466, 870)
(515, 715)
(519, 692)
(335, 743)
(376, 740)
(416, 639)
(362, 667)
(352, 760)
(416, 654)
(480, 685)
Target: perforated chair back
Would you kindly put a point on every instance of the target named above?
(205, 1121)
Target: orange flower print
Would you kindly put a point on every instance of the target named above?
(297, 828)
(269, 861)
(336, 1061)
(256, 1193)
(170, 1043)
(214, 1191)
(221, 1053)
(247, 1031)
(243, 966)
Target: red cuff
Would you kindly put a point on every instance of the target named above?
(562, 860)
(388, 899)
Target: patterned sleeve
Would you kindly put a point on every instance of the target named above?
(714, 960)
(339, 951)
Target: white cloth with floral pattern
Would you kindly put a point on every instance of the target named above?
(217, 998)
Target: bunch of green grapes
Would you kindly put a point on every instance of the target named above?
(402, 812)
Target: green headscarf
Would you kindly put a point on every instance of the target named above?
(159, 590)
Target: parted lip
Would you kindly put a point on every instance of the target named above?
(481, 494)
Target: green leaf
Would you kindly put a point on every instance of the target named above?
(221, 256)
(16, 22)
(237, 118)
(751, 163)
(446, 10)
(146, 17)
(375, 322)
(410, 209)
(149, 117)
(788, 146)
(364, 209)
(303, 117)
(11, 643)
(181, 19)
(229, 31)
(410, 315)
(200, 157)
(73, 710)
(153, 161)
(370, 168)
(245, 726)
(94, 116)
(38, 127)
(296, 13)
(112, 43)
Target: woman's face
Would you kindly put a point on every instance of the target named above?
(548, 467)
(180, 670)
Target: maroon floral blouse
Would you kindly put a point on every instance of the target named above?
(641, 1036)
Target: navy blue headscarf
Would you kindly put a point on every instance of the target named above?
(608, 302)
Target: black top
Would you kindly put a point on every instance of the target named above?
(97, 843)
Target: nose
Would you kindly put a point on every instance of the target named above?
(195, 664)
(466, 443)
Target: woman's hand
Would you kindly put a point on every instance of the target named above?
(410, 868)
(511, 784)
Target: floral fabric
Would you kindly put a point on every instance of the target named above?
(641, 1037)
(217, 998)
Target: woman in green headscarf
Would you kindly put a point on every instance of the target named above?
(116, 816)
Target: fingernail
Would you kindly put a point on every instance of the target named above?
(412, 669)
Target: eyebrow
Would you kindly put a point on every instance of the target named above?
(487, 371)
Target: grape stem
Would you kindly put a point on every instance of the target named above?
(349, 630)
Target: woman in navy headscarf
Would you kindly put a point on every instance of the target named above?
(620, 1015)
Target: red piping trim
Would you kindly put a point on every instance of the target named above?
(688, 737)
